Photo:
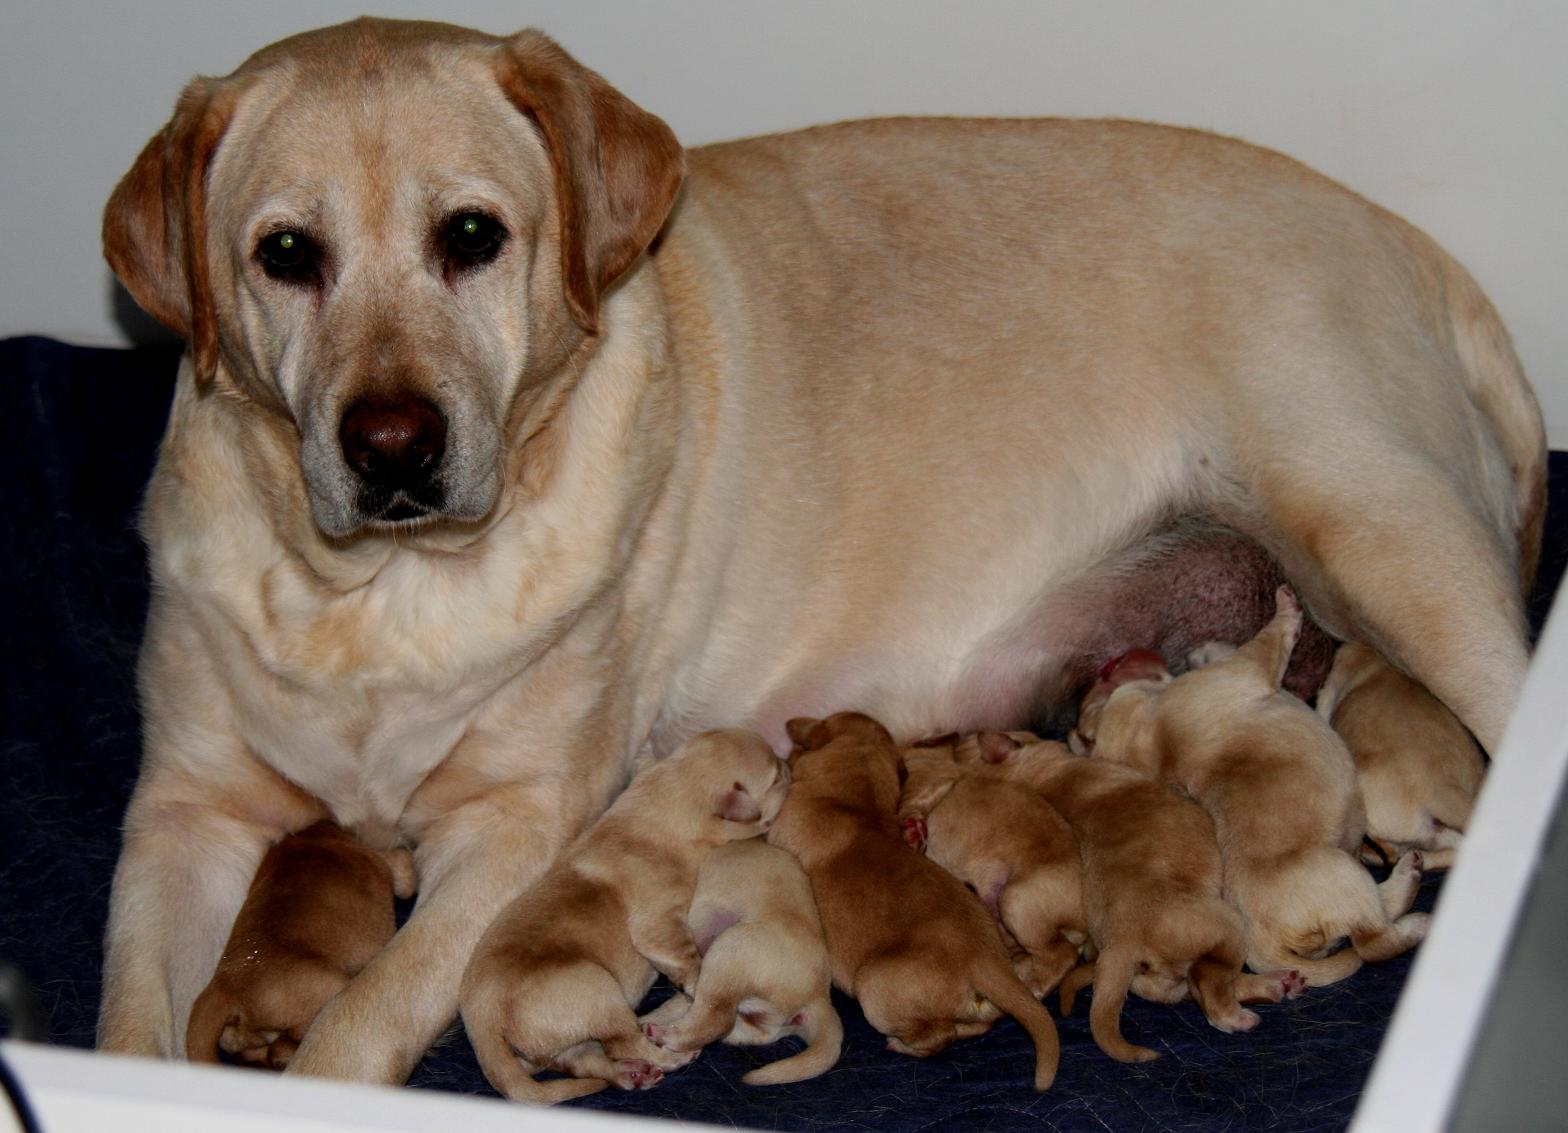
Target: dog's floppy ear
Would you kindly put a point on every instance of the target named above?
(617, 167)
(808, 733)
(737, 805)
(155, 225)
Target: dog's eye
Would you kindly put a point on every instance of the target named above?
(289, 256)
(472, 238)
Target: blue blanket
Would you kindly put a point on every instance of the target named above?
(81, 427)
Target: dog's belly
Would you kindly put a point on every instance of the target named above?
(1171, 591)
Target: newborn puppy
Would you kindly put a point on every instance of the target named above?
(1011, 847)
(1282, 791)
(1419, 769)
(1151, 890)
(555, 979)
(764, 965)
(905, 938)
(319, 908)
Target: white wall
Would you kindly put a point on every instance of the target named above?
(1451, 112)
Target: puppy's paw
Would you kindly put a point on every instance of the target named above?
(635, 1074)
(1408, 865)
(655, 1033)
(1238, 1022)
(1293, 983)
(668, 1059)
(915, 833)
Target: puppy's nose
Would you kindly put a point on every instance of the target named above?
(393, 441)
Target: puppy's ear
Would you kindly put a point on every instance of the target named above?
(737, 805)
(995, 747)
(617, 167)
(808, 733)
(155, 225)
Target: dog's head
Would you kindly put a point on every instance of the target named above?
(386, 234)
(848, 755)
(1143, 668)
(730, 781)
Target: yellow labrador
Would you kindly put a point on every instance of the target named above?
(514, 444)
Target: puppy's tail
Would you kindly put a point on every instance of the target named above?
(995, 979)
(512, 1080)
(209, 1015)
(824, 1035)
(1113, 973)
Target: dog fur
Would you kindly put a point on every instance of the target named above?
(765, 973)
(918, 951)
(701, 415)
(556, 978)
(1282, 792)
(1419, 770)
(1010, 846)
(318, 911)
(1158, 924)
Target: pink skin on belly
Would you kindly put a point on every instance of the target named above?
(1188, 585)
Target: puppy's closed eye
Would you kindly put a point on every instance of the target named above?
(737, 805)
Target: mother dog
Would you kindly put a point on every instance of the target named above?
(499, 459)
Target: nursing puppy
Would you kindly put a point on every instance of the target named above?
(557, 976)
(1282, 791)
(319, 908)
(1419, 769)
(904, 937)
(1151, 890)
(1011, 847)
(765, 973)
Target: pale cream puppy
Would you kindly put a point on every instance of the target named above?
(1011, 847)
(1151, 890)
(1282, 791)
(765, 972)
(1418, 766)
(556, 978)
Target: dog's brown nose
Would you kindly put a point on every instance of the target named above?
(393, 441)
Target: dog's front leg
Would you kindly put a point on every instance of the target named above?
(187, 861)
(471, 863)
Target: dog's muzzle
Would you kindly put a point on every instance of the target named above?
(395, 444)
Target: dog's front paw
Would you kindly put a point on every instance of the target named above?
(914, 830)
(655, 1033)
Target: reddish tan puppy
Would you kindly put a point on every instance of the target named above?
(1151, 891)
(905, 938)
(556, 978)
(1011, 847)
(1282, 792)
(1418, 767)
(765, 973)
(319, 909)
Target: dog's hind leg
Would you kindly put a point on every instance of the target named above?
(1398, 892)
(1397, 554)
